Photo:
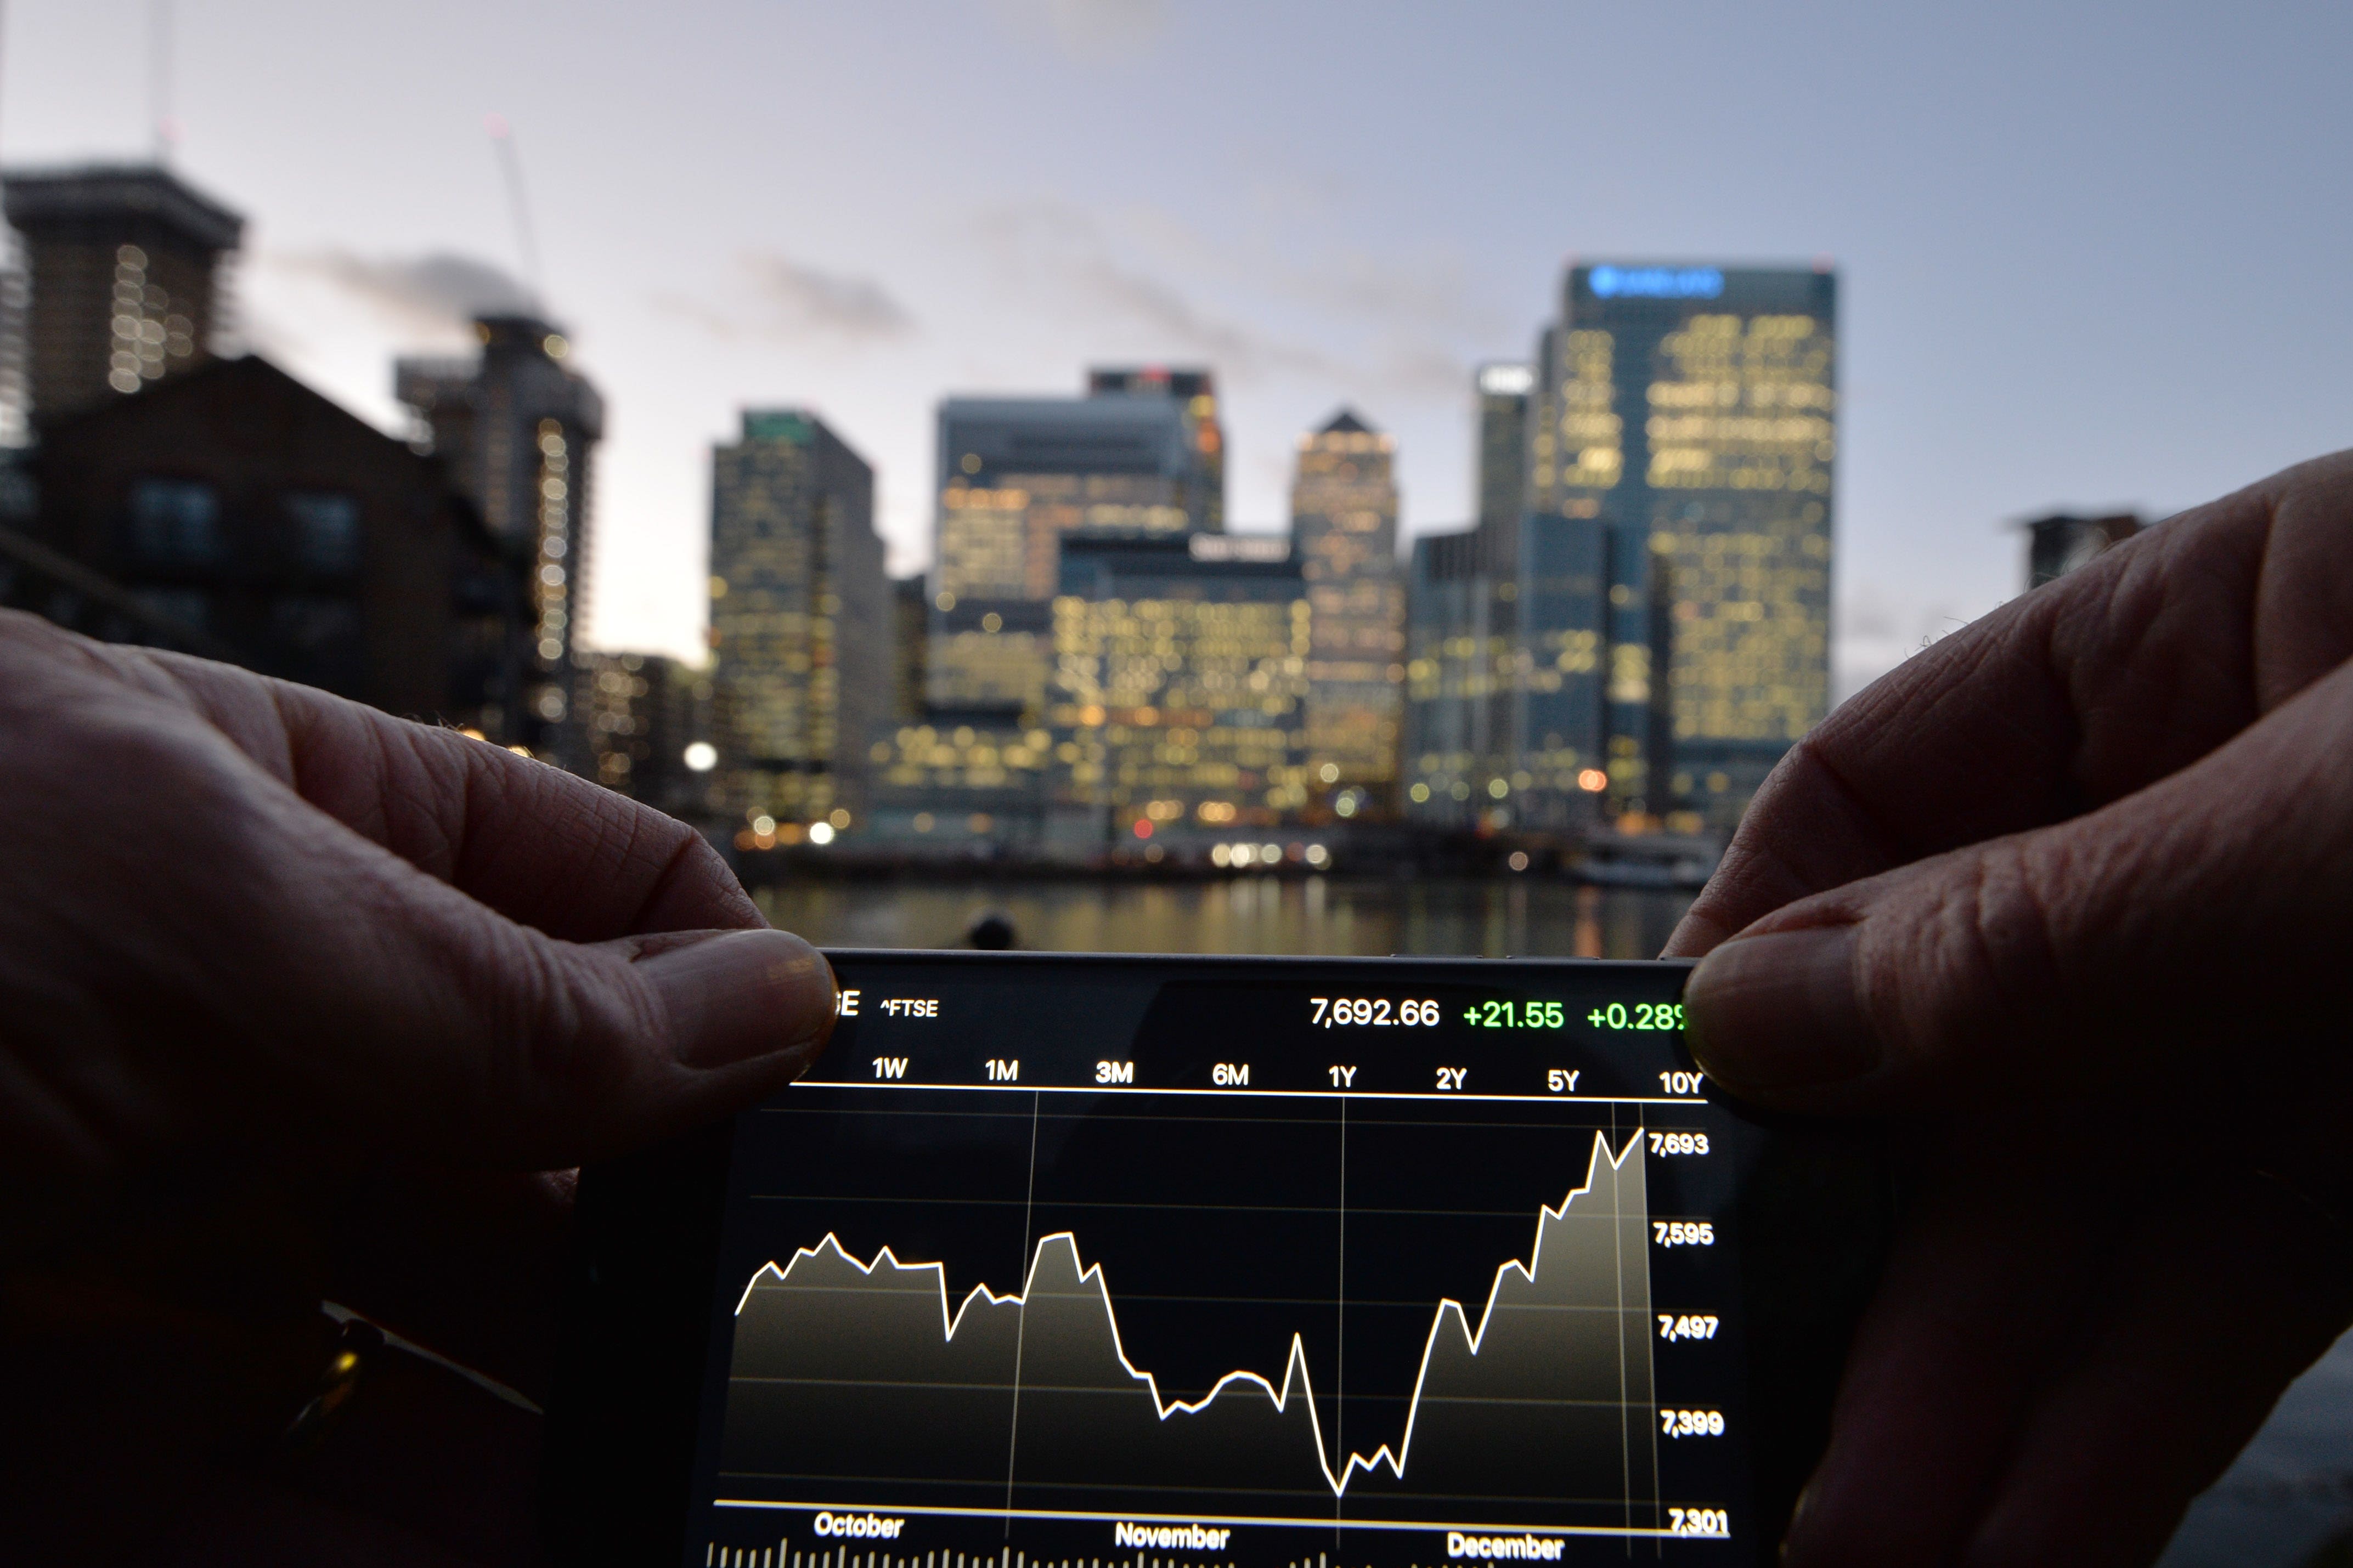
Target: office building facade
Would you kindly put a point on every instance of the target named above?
(801, 624)
(123, 270)
(283, 533)
(1196, 391)
(1469, 677)
(1173, 718)
(1691, 412)
(1017, 475)
(641, 713)
(1505, 393)
(1344, 507)
(911, 630)
(517, 428)
(1178, 698)
(1447, 756)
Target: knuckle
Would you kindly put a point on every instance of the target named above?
(576, 1027)
(1983, 947)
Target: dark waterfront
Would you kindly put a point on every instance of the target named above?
(1521, 917)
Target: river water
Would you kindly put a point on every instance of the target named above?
(2289, 1492)
(1518, 917)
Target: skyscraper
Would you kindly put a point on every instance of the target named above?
(1343, 504)
(910, 628)
(516, 428)
(1178, 698)
(1691, 413)
(1504, 717)
(1016, 476)
(1504, 400)
(801, 622)
(1446, 758)
(1198, 391)
(1497, 674)
(641, 713)
(124, 264)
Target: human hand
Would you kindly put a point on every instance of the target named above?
(2072, 891)
(292, 996)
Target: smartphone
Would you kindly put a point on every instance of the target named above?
(1062, 1260)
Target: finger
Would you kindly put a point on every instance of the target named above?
(338, 1004)
(1973, 1310)
(2062, 701)
(537, 844)
(2112, 950)
(2225, 1298)
(463, 1035)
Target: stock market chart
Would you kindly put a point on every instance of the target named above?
(1106, 1264)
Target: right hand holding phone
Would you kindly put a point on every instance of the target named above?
(2073, 889)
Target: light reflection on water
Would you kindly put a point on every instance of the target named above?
(1518, 917)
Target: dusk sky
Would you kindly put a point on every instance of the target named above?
(2090, 256)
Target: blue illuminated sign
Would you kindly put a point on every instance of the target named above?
(1655, 282)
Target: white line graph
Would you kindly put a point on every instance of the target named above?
(1297, 1380)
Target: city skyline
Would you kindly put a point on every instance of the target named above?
(1991, 374)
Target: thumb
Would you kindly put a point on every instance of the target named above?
(2097, 951)
(571, 1051)
(454, 1031)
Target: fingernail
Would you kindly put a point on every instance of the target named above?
(743, 994)
(1777, 1013)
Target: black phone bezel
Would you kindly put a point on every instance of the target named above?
(627, 1402)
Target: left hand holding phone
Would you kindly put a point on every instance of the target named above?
(294, 993)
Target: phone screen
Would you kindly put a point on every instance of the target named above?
(1084, 1261)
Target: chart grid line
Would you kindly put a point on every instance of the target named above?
(1021, 1324)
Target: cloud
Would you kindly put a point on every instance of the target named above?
(777, 298)
(1060, 254)
(1092, 30)
(430, 295)
(1393, 332)
(1400, 289)
(1433, 295)
(1422, 368)
(829, 302)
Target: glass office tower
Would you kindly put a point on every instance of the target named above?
(1446, 760)
(1503, 630)
(1691, 413)
(1016, 475)
(800, 624)
(517, 428)
(1197, 389)
(1344, 506)
(1179, 689)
